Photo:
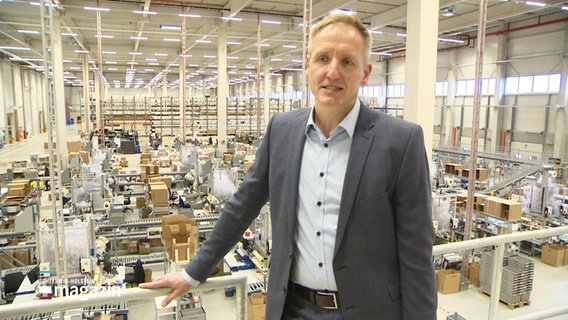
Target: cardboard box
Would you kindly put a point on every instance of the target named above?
(147, 275)
(256, 306)
(159, 193)
(133, 247)
(554, 255)
(474, 271)
(73, 146)
(23, 256)
(166, 180)
(85, 157)
(140, 202)
(448, 281)
(247, 165)
(144, 248)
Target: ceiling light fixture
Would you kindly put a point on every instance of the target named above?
(81, 51)
(450, 40)
(535, 4)
(135, 53)
(138, 38)
(271, 21)
(564, 8)
(159, 54)
(108, 36)
(447, 12)
(144, 12)
(202, 41)
(28, 31)
(189, 15)
(15, 48)
(172, 39)
(289, 46)
(169, 27)
(71, 34)
(232, 18)
(382, 53)
(96, 8)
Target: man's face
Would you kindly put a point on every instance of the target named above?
(336, 68)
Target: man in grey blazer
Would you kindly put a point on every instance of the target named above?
(349, 194)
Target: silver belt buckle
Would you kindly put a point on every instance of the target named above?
(323, 293)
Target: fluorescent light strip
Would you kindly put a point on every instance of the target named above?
(109, 52)
(81, 51)
(234, 42)
(71, 34)
(153, 63)
(401, 34)
(375, 31)
(275, 59)
(15, 48)
(96, 8)
(172, 39)
(271, 21)
(190, 15)
(232, 18)
(186, 55)
(209, 56)
(202, 41)
(110, 62)
(112, 69)
(232, 57)
(451, 40)
(151, 59)
(135, 53)
(159, 54)
(144, 12)
(28, 31)
(138, 38)
(536, 4)
(381, 53)
(108, 36)
(67, 61)
(169, 27)
(564, 8)
(289, 46)
(74, 68)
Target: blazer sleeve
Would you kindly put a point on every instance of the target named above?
(415, 233)
(236, 216)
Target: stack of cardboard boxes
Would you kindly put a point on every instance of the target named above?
(158, 194)
(17, 191)
(180, 237)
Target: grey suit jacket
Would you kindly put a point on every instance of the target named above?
(383, 251)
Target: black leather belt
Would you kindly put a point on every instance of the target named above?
(323, 299)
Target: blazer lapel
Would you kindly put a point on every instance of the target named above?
(360, 147)
(296, 141)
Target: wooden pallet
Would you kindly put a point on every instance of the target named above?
(509, 305)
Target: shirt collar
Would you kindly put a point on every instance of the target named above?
(348, 123)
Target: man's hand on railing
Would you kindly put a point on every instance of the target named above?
(173, 280)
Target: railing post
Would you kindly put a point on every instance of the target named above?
(498, 255)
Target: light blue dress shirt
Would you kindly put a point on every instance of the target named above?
(324, 163)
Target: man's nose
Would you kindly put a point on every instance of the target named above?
(333, 69)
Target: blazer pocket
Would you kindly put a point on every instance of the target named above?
(374, 202)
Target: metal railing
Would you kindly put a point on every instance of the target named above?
(499, 242)
(143, 298)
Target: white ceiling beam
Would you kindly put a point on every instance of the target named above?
(322, 8)
(496, 12)
(398, 14)
(236, 6)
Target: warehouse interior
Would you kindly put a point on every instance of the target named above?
(107, 181)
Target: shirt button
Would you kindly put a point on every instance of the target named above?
(290, 255)
(321, 174)
(325, 145)
(319, 203)
(318, 233)
(320, 264)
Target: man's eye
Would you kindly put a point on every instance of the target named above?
(322, 59)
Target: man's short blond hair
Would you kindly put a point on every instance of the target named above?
(349, 19)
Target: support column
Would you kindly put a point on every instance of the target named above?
(497, 113)
(59, 88)
(86, 123)
(97, 94)
(222, 87)
(450, 107)
(421, 45)
(266, 100)
(560, 112)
